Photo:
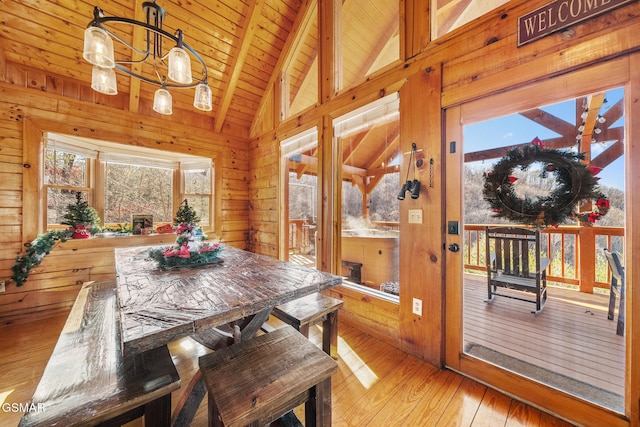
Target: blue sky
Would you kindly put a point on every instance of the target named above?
(515, 129)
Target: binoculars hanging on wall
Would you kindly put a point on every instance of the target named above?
(413, 187)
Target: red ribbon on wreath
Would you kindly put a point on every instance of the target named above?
(602, 207)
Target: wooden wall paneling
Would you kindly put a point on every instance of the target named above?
(502, 64)
(421, 251)
(264, 203)
(632, 241)
(376, 316)
(27, 306)
(10, 234)
(26, 114)
(15, 75)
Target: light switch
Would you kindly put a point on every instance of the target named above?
(415, 216)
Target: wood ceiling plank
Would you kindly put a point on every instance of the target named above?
(237, 61)
(306, 7)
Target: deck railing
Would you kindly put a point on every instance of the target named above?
(300, 235)
(576, 253)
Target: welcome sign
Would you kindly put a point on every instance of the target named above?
(560, 14)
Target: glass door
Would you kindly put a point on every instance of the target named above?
(568, 350)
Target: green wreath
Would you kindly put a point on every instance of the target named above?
(575, 184)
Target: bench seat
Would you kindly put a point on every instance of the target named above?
(87, 381)
(257, 381)
(309, 310)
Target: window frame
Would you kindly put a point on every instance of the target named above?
(96, 178)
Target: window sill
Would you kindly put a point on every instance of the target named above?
(115, 242)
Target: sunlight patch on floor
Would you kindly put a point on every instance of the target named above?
(357, 366)
(586, 305)
(4, 395)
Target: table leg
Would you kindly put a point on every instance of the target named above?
(215, 339)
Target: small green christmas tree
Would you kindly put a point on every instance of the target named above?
(80, 213)
(186, 215)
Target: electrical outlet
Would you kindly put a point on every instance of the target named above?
(417, 306)
(415, 216)
(2, 288)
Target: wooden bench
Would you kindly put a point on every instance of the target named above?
(87, 381)
(257, 381)
(306, 311)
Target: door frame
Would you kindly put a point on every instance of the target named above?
(614, 73)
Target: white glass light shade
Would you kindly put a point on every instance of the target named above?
(98, 47)
(179, 66)
(103, 80)
(202, 99)
(162, 102)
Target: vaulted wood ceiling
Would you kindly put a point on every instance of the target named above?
(240, 41)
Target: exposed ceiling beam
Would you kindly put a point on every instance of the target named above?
(348, 150)
(383, 171)
(614, 113)
(312, 165)
(496, 153)
(303, 169)
(448, 15)
(390, 151)
(237, 61)
(549, 121)
(609, 155)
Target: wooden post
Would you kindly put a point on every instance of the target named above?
(587, 258)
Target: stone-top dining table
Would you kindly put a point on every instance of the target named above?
(160, 305)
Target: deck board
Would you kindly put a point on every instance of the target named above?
(571, 336)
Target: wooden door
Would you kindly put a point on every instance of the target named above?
(599, 78)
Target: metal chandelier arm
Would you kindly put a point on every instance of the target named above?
(98, 22)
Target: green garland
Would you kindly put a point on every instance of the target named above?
(575, 184)
(36, 250)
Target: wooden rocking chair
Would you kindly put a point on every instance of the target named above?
(509, 265)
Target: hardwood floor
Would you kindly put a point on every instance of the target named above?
(376, 385)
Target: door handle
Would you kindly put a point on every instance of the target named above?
(454, 247)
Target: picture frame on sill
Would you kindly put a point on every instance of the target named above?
(142, 224)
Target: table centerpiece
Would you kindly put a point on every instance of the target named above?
(187, 251)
